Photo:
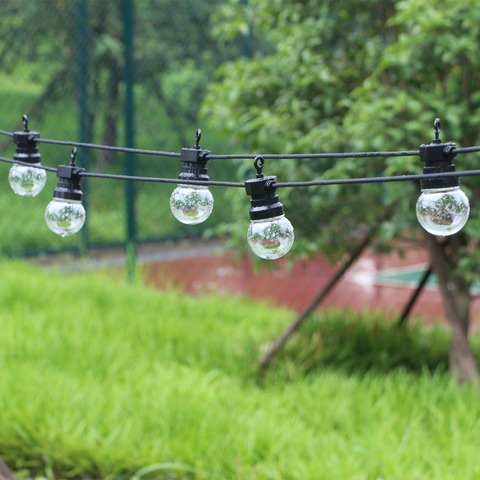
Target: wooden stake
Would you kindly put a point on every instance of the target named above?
(321, 295)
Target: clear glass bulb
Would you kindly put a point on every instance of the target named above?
(443, 211)
(270, 238)
(191, 204)
(26, 180)
(65, 217)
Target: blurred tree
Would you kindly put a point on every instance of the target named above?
(32, 47)
(362, 75)
(175, 55)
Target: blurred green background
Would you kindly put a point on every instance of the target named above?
(65, 64)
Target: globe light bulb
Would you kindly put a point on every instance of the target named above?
(443, 211)
(270, 238)
(442, 208)
(65, 217)
(27, 181)
(191, 204)
(270, 234)
(26, 178)
(65, 214)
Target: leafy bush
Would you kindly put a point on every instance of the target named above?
(365, 342)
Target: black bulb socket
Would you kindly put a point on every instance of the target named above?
(194, 164)
(27, 150)
(438, 158)
(264, 201)
(68, 187)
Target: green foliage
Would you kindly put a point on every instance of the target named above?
(295, 99)
(174, 51)
(349, 76)
(376, 86)
(175, 56)
(429, 70)
(367, 342)
(104, 380)
(25, 230)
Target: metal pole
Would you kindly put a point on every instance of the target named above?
(413, 299)
(321, 295)
(248, 37)
(131, 233)
(82, 103)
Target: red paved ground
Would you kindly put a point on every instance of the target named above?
(294, 288)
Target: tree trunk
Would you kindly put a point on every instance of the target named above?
(108, 76)
(456, 298)
(171, 112)
(4, 471)
(110, 124)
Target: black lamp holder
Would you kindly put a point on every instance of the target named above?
(194, 161)
(438, 158)
(26, 145)
(264, 202)
(69, 177)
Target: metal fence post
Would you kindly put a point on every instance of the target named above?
(131, 230)
(82, 102)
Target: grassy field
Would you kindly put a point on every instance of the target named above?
(104, 380)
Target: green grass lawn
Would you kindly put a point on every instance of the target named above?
(104, 380)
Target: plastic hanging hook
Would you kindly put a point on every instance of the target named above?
(25, 123)
(436, 128)
(72, 157)
(258, 163)
(198, 136)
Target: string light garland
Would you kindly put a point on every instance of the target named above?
(65, 214)
(26, 179)
(295, 156)
(94, 146)
(238, 156)
(442, 208)
(192, 204)
(270, 234)
(312, 183)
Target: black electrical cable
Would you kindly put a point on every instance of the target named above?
(395, 178)
(162, 180)
(99, 147)
(107, 147)
(348, 181)
(314, 183)
(112, 176)
(466, 150)
(248, 156)
(291, 156)
(238, 156)
(25, 164)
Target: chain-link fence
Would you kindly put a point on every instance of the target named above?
(70, 66)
